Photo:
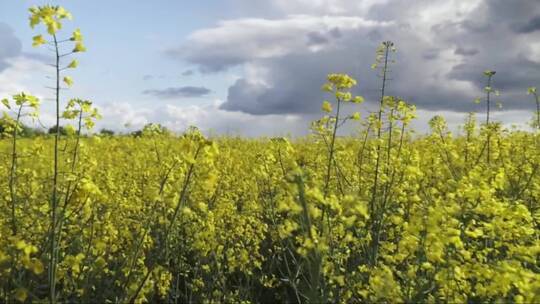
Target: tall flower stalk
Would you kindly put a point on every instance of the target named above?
(383, 60)
(339, 85)
(52, 17)
(14, 127)
(488, 89)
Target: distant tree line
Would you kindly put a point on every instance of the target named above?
(29, 132)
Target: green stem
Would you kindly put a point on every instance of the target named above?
(53, 252)
(378, 156)
(13, 172)
(360, 158)
(331, 152)
(537, 110)
(488, 105)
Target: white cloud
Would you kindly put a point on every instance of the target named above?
(21, 76)
(238, 41)
(126, 117)
(436, 12)
(123, 116)
(211, 119)
(534, 51)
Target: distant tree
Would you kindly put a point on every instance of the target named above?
(155, 128)
(137, 133)
(52, 130)
(31, 132)
(151, 128)
(106, 132)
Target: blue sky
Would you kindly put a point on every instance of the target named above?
(255, 67)
(125, 41)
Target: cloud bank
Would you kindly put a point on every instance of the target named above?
(443, 48)
(273, 57)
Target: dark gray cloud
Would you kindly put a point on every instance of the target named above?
(532, 25)
(10, 46)
(439, 66)
(187, 91)
(253, 98)
(500, 49)
(214, 61)
(299, 92)
(511, 75)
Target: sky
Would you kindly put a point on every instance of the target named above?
(255, 68)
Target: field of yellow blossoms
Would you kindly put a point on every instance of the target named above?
(189, 219)
(384, 216)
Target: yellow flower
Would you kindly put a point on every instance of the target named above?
(326, 106)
